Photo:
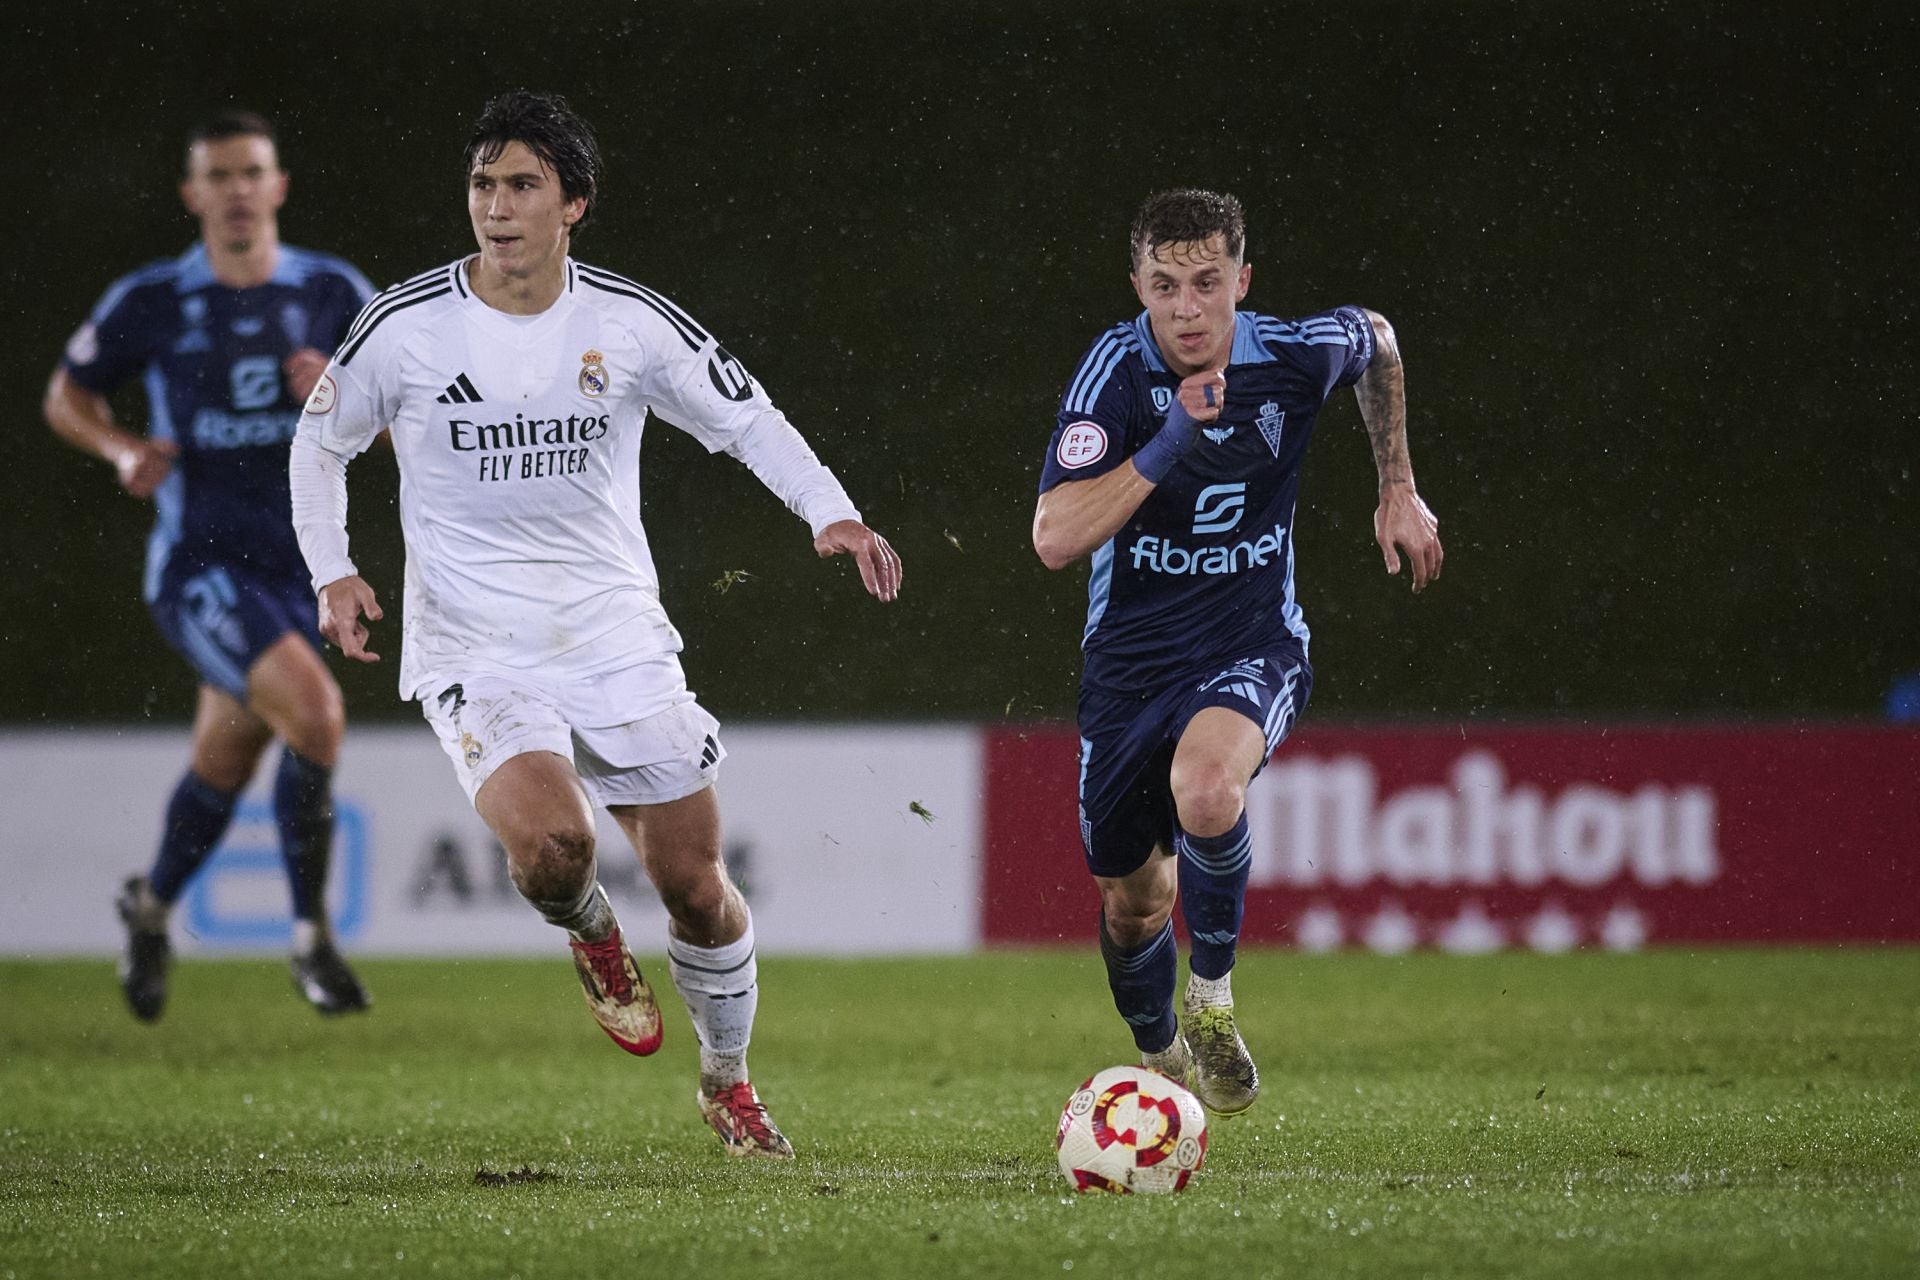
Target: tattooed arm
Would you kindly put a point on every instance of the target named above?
(1402, 522)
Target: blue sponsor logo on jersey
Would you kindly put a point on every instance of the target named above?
(1162, 399)
(253, 382)
(1219, 507)
(218, 429)
(1164, 555)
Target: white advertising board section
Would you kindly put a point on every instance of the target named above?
(845, 839)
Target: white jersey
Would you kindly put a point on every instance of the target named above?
(518, 439)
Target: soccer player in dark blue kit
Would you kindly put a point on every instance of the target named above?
(1175, 464)
(228, 340)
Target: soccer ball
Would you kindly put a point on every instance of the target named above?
(1130, 1129)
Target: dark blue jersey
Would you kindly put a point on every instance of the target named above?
(1203, 571)
(210, 359)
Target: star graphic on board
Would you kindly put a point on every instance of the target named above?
(1553, 930)
(1473, 932)
(1624, 928)
(1392, 931)
(1319, 929)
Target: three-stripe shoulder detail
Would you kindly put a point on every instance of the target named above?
(165, 272)
(422, 288)
(683, 324)
(1315, 331)
(371, 313)
(1097, 369)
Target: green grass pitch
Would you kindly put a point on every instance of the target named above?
(1717, 1113)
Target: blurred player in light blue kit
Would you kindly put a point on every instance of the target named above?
(1175, 464)
(228, 340)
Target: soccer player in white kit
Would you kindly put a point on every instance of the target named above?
(516, 383)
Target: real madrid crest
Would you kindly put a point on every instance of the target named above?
(593, 374)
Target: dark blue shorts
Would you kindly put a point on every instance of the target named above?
(221, 618)
(1127, 744)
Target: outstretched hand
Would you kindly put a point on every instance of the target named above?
(1403, 522)
(880, 568)
(342, 602)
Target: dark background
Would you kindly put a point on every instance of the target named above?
(1652, 266)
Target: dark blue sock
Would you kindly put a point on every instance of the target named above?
(1213, 894)
(1142, 982)
(303, 810)
(197, 816)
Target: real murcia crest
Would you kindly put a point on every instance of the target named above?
(1272, 418)
(593, 374)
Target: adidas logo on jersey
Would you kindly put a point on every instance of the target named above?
(459, 391)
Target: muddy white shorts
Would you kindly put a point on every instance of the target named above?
(665, 753)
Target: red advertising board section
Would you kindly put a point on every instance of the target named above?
(1474, 839)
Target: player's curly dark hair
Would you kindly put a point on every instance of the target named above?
(1188, 215)
(548, 127)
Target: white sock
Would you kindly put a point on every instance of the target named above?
(721, 989)
(588, 918)
(1210, 993)
(1174, 1060)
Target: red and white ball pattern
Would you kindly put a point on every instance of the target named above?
(1129, 1129)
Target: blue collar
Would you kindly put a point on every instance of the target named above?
(1247, 348)
(196, 269)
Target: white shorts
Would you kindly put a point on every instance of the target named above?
(664, 755)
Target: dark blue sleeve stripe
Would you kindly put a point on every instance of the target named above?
(353, 343)
(666, 313)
